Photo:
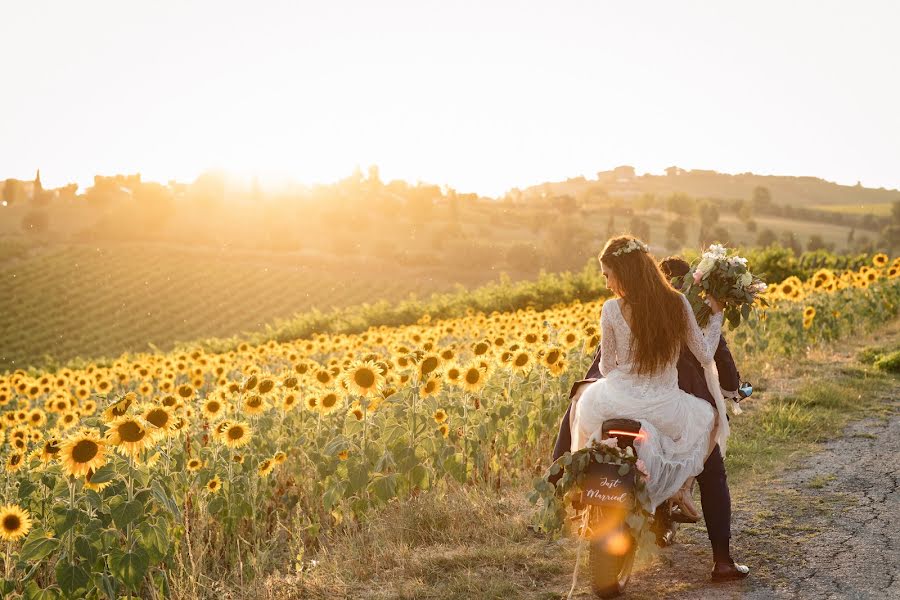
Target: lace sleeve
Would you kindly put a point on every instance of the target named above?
(702, 342)
(607, 339)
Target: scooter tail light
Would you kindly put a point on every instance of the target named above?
(639, 436)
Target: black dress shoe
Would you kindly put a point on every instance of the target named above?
(729, 571)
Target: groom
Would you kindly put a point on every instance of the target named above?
(715, 498)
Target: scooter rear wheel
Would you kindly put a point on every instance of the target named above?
(610, 572)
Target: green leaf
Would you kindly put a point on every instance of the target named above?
(215, 505)
(623, 470)
(159, 492)
(418, 476)
(336, 445)
(70, 577)
(384, 488)
(64, 519)
(33, 592)
(37, 546)
(85, 549)
(26, 487)
(126, 513)
(130, 567)
(104, 474)
(359, 477)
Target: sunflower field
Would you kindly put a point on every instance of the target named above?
(186, 474)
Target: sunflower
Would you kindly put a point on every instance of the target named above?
(364, 378)
(130, 435)
(324, 377)
(329, 402)
(160, 418)
(356, 411)
(15, 461)
(440, 415)
(279, 457)
(214, 485)
(343, 455)
(289, 401)
(67, 420)
(430, 387)
(255, 405)
(49, 451)
(521, 361)
(266, 385)
(454, 375)
(551, 357)
(879, 260)
(266, 467)
(444, 430)
(185, 391)
(473, 378)
(37, 418)
(213, 408)
(15, 522)
(119, 408)
(559, 367)
(236, 434)
(312, 402)
(809, 312)
(569, 339)
(428, 365)
(82, 451)
(807, 323)
(194, 464)
(481, 348)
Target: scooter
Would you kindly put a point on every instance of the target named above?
(609, 497)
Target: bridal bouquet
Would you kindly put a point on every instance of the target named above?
(727, 279)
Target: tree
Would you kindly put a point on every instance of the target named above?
(708, 214)
(721, 235)
(762, 198)
(815, 243)
(789, 240)
(676, 233)
(766, 238)
(681, 204)
(640, 228)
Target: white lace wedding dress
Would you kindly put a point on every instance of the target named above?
(675, 425)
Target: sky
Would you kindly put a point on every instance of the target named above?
(482, 96)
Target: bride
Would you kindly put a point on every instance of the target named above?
(643, 331)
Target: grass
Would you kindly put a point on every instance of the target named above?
(457, 543)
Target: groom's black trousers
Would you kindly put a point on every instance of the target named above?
(715, 498)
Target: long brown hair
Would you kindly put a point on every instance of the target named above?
(658, 321)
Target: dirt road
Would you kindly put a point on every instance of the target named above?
(827, 529)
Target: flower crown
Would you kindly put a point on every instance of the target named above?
(631, 246)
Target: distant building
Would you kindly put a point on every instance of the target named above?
(621, 174)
